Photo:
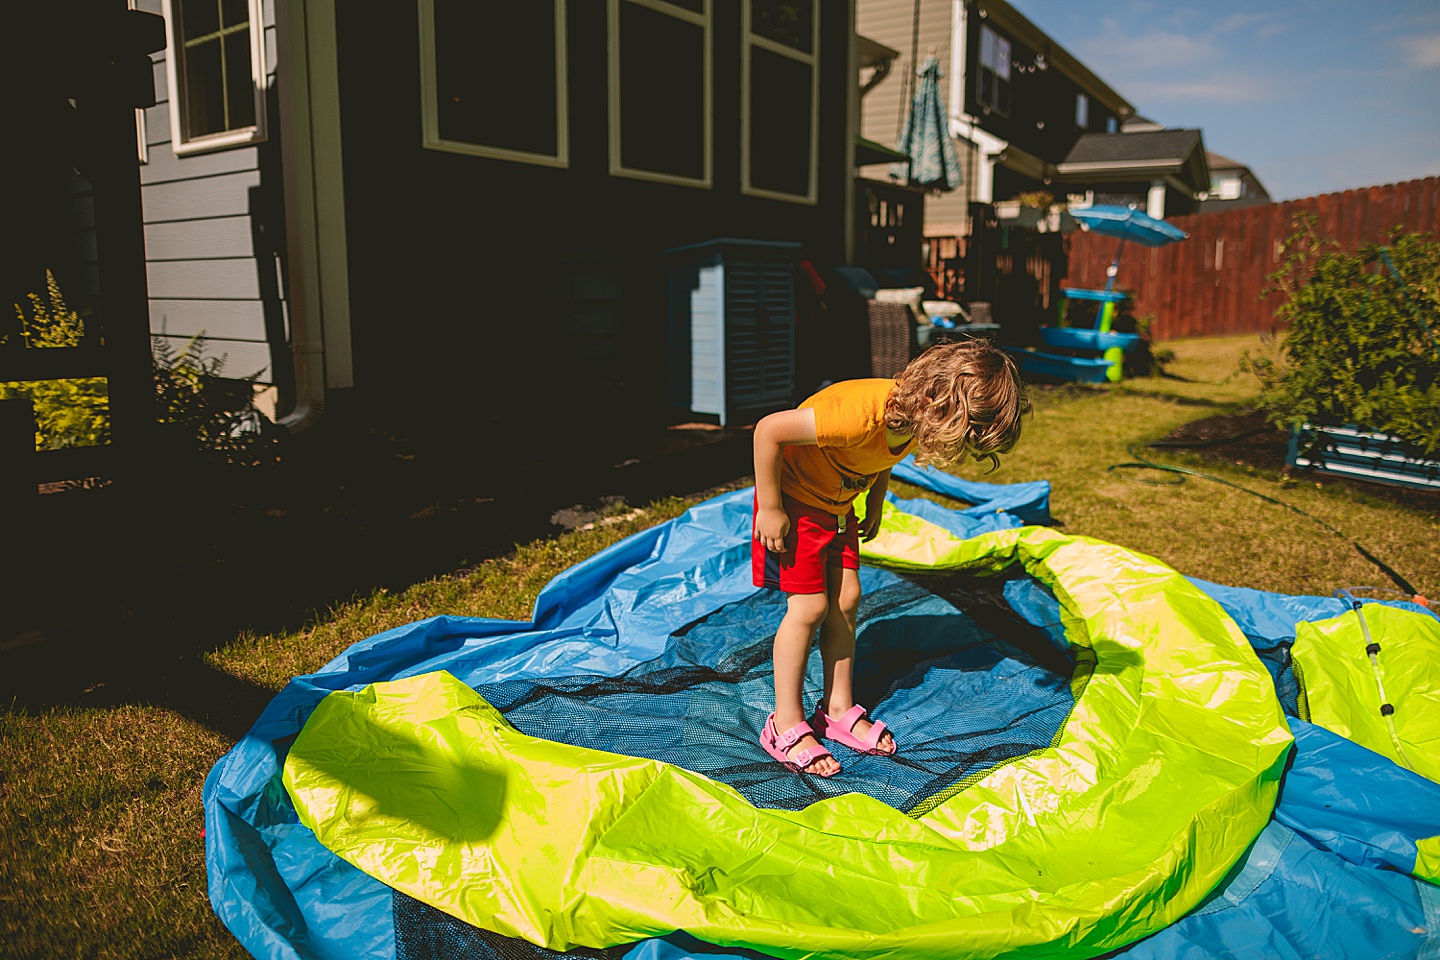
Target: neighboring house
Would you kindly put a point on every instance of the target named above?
(449, 211)
(1157, 169)
(1018, 101)
(1232, 185)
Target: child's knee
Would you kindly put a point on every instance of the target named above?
(810, 608)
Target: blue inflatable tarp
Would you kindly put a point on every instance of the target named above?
(1328, 877)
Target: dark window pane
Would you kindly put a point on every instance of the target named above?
(779, 123)
(789, 23)
(662, 93)
(235, 12)
(495, 73)
(694, 6)
(239, 85)
(204, 89)
(199, 18)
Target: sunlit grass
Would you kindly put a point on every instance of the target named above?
(1205, 529)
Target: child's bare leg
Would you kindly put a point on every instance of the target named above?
(837, 649)
(804, 613)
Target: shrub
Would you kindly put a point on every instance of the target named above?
(202, 414)
(68, 413)
(1363, 344)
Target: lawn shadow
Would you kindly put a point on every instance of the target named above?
(121, 593)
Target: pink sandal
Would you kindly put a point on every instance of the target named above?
(777, 744)
(840, 731)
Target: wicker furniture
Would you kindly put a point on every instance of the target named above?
(892, 337)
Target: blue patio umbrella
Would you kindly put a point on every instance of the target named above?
(1126, 224)
(926, 136)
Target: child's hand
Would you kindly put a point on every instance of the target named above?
(771, 526)
(870, 525)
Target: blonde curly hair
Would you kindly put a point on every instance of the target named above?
(959, 399)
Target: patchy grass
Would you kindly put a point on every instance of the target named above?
(1201, 528)
(100, 854)
(100, 846)
(503, 588)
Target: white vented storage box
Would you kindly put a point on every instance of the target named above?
(732, 328)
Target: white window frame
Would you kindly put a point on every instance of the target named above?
(142, 149)
(1082, 110)
(181, 143)
(749, 40)
(704, 21)
(430, 109)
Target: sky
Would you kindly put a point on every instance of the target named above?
(1313, 95)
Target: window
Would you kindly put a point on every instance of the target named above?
(1225, 187)
(492, 77)
(779, 99)
(215, 68)
(994, 74)
(660, 90)
(1082, 111)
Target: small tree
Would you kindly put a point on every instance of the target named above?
(1363, 344)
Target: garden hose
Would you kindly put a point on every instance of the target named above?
(1140, 463)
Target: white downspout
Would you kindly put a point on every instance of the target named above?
(1155, 200)
(307, 341)
(310, 150)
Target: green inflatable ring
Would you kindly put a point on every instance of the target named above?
(1164, 773)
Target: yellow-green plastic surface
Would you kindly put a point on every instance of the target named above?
(1165, 771)
(1343, 688)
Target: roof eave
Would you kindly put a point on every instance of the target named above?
(1169, 165)
(1019, 26)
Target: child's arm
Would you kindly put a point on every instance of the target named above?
(771, 434)
(874, 505)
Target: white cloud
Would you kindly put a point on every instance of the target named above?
(1117, 50)
(1422, 53)
(1237, 21)
(1164, 67)
(1214, 89)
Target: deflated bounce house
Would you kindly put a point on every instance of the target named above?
(1098, 756)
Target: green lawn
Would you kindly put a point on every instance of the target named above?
(100, 846)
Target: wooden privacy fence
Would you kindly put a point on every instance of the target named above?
(1211, 284)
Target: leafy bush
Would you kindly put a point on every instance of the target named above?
(202, 413)
(68, 413)
(1363, 344)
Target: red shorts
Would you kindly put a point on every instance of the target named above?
(814, 543)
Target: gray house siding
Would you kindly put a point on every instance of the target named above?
(212, 229)
(892, 22)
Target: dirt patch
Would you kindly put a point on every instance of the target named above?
(1249, 440)
(1243, 439)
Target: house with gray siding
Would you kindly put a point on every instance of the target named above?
(1018, 100)
(441, 212)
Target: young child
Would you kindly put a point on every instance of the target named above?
(956, 399)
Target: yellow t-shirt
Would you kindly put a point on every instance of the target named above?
(850, 448)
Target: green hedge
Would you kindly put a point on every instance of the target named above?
(1363, 339)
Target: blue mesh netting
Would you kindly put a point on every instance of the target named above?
(963, 691)
(960, 694)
